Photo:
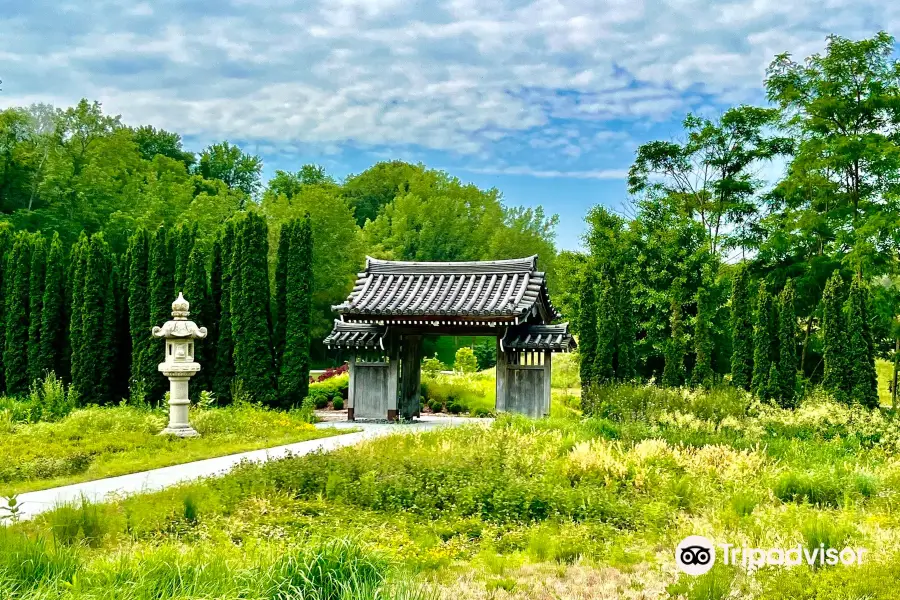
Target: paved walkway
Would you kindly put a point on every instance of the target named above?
(34, 503)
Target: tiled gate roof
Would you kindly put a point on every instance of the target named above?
(356, 335)
(556, 338)
(500, 291)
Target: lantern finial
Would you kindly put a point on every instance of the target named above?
(180, 308)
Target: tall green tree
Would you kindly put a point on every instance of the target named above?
(587, 329)
(674, 371)
(293, 383)
(764, 341)
(223, 261)
(77, 272)
(741, 330)
(37, 274)
(226, 162)
(143, 366)
(196, 291)
(121, 343)
(98, 319)
(279, 310)
(862, 376)
(15, 354)
(251, 322)
(607, 325)
(6, 244)
(710, 176)
(183, 241)
(834, 339)
(787, 348)
(162, 294)
(844, 108)
(54, 313)
(702, 375)
(626, 353)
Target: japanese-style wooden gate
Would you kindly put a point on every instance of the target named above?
(394, 304)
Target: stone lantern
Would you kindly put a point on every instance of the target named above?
(179, 365)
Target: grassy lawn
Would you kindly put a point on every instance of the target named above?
(93, 443)
(554, 508)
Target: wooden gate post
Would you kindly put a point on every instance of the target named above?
(350, 387)
(502, 374)
(393, 356)
(410, 376)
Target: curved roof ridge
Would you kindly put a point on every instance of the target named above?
(507, 265)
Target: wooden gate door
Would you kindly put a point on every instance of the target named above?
(371, 390)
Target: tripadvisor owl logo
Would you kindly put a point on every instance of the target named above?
(695, 555)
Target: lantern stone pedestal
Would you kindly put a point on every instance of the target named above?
(179, 365)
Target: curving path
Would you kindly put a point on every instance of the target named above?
(34, 503)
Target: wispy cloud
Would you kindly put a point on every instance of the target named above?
(551, 174)
(532, 83)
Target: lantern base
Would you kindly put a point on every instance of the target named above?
(182, 432)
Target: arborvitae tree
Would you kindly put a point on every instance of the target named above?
(253, 358)
(5, 247)
(143, 366)
(121, 368)
(162, 294)
(98, 323)
(196, 291)
(38, 269)
(77, 271)
(834, 339)
(278, 302)
(15, 355)
(703, 342)
(861, 373)
(762, 342)
(183, 241)
(626, 360)
(293, 384)
(787, 348)
(604, 358)
(673, 371)
(741, 331)
(221, 280)
(236, 313)
(54, 316)
(587, 329)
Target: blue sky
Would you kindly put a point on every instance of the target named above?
(545, 99)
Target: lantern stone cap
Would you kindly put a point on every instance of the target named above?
(179, 326)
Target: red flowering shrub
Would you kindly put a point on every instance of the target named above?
(329, 373)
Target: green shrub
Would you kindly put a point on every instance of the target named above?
(456, 407)
(75, 523)
(817, 488)
(337, 404)
(307, 410)
(27, 563)
(432, 366)
(743, 504)
(465, 361)
(824, 531)
(331, 388)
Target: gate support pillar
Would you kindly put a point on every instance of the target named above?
(502, 375)
(351, 387)
(410, 376)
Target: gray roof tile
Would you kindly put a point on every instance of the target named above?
(502, 290)
(556, 338)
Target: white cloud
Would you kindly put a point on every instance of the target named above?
(551, 174)
(463, 76)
